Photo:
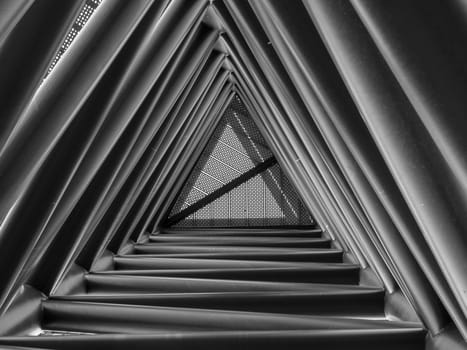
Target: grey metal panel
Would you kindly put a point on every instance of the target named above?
(361, 102)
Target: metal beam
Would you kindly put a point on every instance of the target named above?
(221, 191)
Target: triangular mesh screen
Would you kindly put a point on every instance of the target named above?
(265, 198)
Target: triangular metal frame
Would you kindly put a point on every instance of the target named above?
(261, 165)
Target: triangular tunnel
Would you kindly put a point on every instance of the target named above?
(237, 181)
(225, 174)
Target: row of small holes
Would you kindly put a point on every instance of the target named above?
(86, 12)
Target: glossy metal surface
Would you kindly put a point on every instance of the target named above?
(361, 102)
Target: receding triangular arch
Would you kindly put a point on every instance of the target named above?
(237, 181)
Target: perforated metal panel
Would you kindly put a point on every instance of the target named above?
(89, 6)
(265, 199)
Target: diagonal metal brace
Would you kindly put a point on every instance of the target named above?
(221, 191)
